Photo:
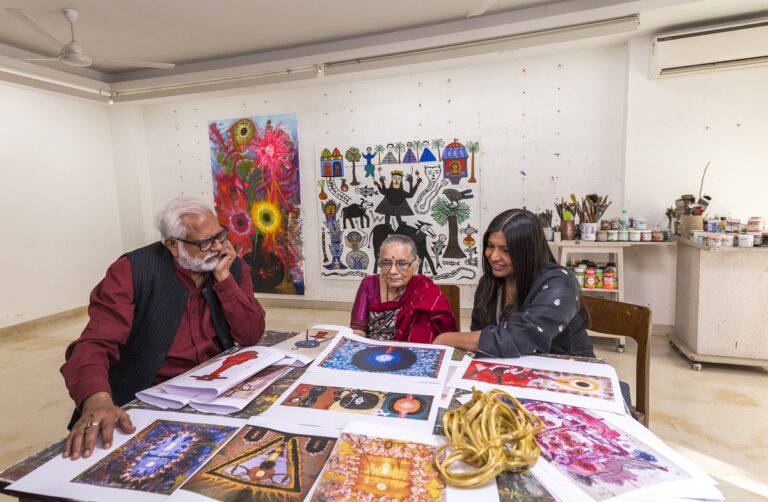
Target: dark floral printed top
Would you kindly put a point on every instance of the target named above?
(551, 320)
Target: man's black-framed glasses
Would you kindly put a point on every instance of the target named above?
(207, 244)
(401, 265)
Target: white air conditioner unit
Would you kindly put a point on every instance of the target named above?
(710, 48)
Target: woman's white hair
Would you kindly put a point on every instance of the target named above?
(403, 240)
(170, 219)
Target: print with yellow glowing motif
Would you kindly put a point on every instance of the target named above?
(364, 467)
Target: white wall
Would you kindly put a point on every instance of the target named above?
(617, 132)
(559, 118)
(58, 207)
(675, 126)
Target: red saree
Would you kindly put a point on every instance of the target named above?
(422, 311)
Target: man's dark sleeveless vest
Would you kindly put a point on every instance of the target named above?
(159, 300)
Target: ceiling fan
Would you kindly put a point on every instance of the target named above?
(72, 53)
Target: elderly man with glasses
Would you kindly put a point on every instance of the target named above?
(399, 304)
(159, 311)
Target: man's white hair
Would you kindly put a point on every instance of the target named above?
(170, 219)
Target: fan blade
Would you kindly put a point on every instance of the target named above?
(141, 64)
(27, 21)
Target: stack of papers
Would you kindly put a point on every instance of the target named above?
(363, 423)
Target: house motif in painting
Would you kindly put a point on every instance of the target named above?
(331, 163)
(455, 162)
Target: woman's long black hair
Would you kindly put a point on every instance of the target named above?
(528, 251)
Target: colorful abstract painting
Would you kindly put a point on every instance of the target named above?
(159, 458)
(369, 402)
(370, 468)
(521, 487)
(255, 163)
(555, 381)
(270, 395)
(263, 464)
(603, 461)
(353, 355)
(425, 189)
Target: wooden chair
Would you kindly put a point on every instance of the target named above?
(624, 319)
(453, 293)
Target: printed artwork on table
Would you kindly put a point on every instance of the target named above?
(353, 355)
(314, 338)
(603, 461)
(159, 458)
(369, 468)
(270, 395)
(263, 464)
(247, 387)
(521, 487)
(225, 364)
(555, 381)
(368, 402)
(255, 164)
(425, 189)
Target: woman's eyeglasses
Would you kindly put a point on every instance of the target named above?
(401, 265)
(207, 244)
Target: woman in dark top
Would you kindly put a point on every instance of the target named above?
(525, 302)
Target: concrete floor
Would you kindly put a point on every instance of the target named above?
(717, 417)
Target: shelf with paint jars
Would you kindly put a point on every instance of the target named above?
(582, 256)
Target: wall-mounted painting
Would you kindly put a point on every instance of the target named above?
(255, 163)
(426, 189)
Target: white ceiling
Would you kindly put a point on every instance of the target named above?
(225, 38)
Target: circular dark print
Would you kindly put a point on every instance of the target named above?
(384, 359)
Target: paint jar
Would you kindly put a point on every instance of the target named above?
(714, 241)
(765, 238)
(623, 234)
(549, 234)
(732, 225)
(567, 230)
(602, 235)
(579, 273)
(657, 235)
(588, 231)
(613, 235)
(646, 235)
(757, 238)
(639, 223)
(728, 240)
(697, 236)
(615, 223)
(667, 234)
(755, 224)
(590, 278)
(746, 241)
(609, 278)
(634, 235)
(605, 224)
(712, 225)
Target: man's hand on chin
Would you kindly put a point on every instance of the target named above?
(100, 416)
(228, 254)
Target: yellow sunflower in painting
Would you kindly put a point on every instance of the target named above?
(266, 217)
(241, 133)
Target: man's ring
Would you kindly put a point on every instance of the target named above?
(88, 425)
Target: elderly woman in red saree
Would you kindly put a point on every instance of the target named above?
(398, 304)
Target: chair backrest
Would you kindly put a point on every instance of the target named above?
(624, 319)
(453, 293)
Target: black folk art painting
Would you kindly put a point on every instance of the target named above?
(425, 189)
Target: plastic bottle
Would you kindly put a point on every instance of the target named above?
(615, 271)
(609, 277)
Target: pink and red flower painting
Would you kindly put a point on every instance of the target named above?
(255, 163)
